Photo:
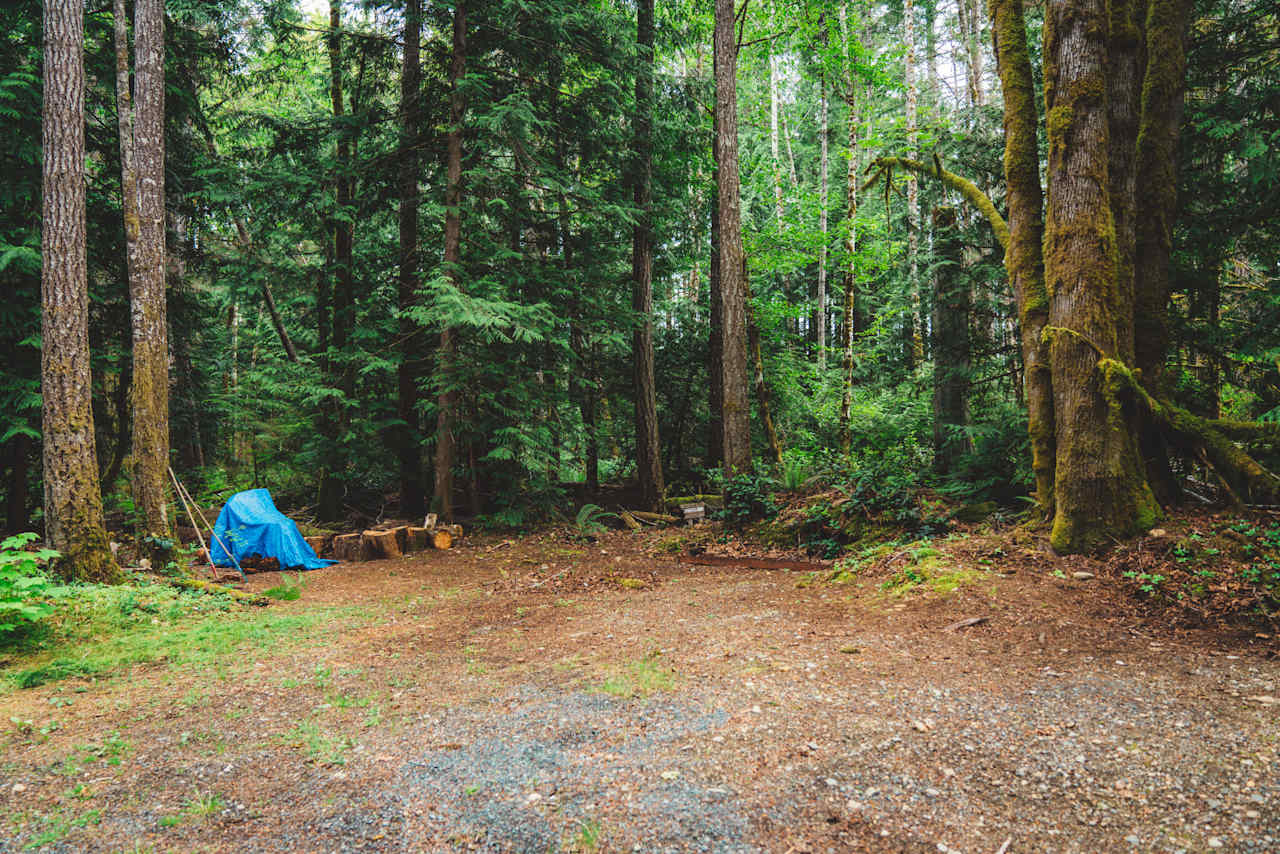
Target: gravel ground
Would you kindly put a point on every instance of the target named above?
(785, 720)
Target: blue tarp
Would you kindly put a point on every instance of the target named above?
(250, 524)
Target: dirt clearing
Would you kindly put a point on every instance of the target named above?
(547, 695)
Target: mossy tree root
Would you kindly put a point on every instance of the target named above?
(1246, 479)
(202, 586)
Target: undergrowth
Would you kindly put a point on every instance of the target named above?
(96, 630)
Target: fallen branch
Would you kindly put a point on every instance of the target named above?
(202, 586)
(653, 518)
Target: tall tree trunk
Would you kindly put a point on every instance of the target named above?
(715, 335)
(1024, 259)
(819, 321)
(150, 386)
(733, 287)
(331, 480)
(1163, 86)
(648, 454)
(851, 244)
(1123, 72)
(408, 438)
(447, 403)
(72, 500)
(914, 346)
(1100, 488)
(952, 305)
(971, 38)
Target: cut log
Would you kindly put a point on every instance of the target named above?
(380, 545)
(711, 500)
(347, 547)
(417, 539)
(629, 520)
(317, 544)
(455, 531)
(402, 537)
(654, 518)
(441, 539)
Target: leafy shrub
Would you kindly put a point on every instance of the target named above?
(25, 589)
(748, 497)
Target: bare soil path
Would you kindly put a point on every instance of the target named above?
(544, 695)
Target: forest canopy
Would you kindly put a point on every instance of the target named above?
(494, 258)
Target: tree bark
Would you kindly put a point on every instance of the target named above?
(733, 287)
(1024, 258)
(72, 500)
(1163, 88)
(715, 335)
(914, 347)
(442, 501)
(150, 386)
(819, 321)
(1100, 489)
(648, 454)
(1123, 61)
(340, 304)
(952, 304)
(1156, 187)
(408, 437)
(851, 245)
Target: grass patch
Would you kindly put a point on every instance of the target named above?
(639, 679)
(319, 745)
(189, 641)
(56, 827)
(288, 590)
(589, 837)
(928, 571)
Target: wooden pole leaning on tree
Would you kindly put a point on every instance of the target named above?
(183, 495)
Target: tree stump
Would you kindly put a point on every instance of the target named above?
(402, 537)
(381, 544)
(347, 547)
(418, 539)
(316, 543)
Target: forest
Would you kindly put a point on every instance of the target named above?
(497, 259)
(737, 426)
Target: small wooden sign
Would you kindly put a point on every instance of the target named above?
(693, 512)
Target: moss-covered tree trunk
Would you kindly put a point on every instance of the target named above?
(447, 400)
(72, 500)
(1100, 485)
(1163, 85)
(149, 393)
(736, 427)
(1024, 259)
